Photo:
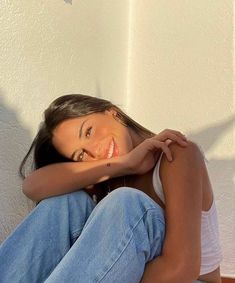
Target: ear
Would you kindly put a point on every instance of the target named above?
(111, 112)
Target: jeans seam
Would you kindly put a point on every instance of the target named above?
(132, 229)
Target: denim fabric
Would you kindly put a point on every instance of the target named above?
(69, 239)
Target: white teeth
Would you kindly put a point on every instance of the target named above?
(111, 150)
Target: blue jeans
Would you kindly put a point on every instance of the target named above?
(70, 239)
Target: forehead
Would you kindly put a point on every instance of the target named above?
(76, 121)
(68, 125)
(72, 126)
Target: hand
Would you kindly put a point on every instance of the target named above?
(144, 156)
(168, 136)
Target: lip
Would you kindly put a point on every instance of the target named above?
(107, 149)
(115, 150)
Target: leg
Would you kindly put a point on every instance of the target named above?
(124, 231)
(40, 241)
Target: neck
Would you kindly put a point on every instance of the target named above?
(140, 182)
(136, 138)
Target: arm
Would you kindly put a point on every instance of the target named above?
(61, 178)
(182, 182)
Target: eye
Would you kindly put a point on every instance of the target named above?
(88, 132)
(81, 156)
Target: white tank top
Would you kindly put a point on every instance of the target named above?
(211, 254)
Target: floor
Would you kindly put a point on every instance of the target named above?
(226, 280)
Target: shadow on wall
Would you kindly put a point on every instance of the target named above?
(14, 142)
(221, 170)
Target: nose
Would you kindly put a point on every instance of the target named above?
(93, 149)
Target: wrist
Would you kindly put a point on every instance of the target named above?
(125, 166)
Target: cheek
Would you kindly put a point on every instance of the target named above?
(101, 133)
(124, 143)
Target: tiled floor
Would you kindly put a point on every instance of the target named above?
(225, 280)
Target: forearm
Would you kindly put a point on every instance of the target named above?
(161, 270)
(67, 177)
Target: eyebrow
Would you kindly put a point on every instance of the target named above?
(80, 132)
(80, 135)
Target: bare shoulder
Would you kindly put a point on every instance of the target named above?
(191, 151)
(187, 161)
(184, 158)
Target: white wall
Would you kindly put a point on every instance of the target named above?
(171, 60)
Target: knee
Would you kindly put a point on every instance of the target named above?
(128, 198)
(124, 194)
(57, 201)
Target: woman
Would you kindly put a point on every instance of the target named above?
(152, 218)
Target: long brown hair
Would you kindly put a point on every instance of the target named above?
(42, 152)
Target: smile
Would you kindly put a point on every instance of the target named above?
(111, 149)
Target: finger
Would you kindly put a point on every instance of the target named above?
(178, 133)
(168, 141)
(167, 151)
(179, 139)
(164, 148)
(171, 134)
(168, 137)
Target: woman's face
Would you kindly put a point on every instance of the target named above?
(92, 137)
